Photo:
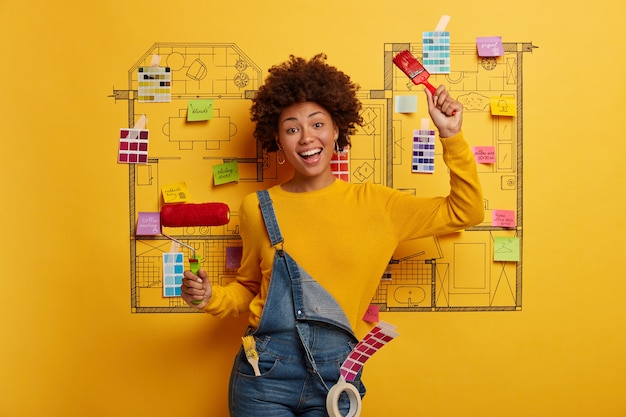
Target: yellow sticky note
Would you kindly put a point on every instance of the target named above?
(503, 106)
(198, 110)
(227, 172)
(175, 193)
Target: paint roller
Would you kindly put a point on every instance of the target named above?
(192, 215)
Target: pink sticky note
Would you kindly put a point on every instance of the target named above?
(484, 154)
(489, 46)
(372, 314)
(148, 224)
(503, 218)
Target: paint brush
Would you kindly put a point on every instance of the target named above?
(413, 69)
(249, 347)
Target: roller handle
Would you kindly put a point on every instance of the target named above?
(194, 266)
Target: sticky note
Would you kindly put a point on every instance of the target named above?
(503, 218)
(372, 314)
(233, 256)
(406, 104)
(224, 173)
(489, 46)
(484, 154)
(175, 193)
(506, 249)
(148, 224)
(503, 106)
(199, 110)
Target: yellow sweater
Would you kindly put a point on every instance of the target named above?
(345, 234)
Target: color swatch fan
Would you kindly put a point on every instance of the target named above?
(378, 337)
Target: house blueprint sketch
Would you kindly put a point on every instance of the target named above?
(455, 272)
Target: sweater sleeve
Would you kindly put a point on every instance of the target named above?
(234, 299)
(417, 217)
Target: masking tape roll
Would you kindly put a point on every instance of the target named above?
(332, 399)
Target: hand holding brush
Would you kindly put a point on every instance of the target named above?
(445, 111)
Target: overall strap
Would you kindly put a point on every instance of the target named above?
(271, 224)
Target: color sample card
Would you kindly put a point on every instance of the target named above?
(173, 267)
(423, 151)
(436, 52)
(378, 337)
(133, 146)
(340, 166)
(154, 84)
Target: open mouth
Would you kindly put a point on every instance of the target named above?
(310, 153)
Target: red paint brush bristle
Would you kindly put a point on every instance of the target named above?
(413, 69)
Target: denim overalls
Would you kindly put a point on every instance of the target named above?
(302, 339)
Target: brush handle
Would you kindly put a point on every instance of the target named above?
(432, 90)
(194, 266)
(430, 87)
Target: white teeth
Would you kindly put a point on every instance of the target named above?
(311, 152)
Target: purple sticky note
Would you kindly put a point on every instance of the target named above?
(233, 256)
(148, 224)
(489, 46)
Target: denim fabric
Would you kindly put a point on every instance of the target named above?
(302, 339)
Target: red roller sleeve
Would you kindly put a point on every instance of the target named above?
(188, 214)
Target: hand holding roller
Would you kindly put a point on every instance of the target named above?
(192, 215)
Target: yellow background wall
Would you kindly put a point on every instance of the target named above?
(69, 345)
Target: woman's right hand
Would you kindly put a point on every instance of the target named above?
(196, 290)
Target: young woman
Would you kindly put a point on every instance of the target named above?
(315, 248)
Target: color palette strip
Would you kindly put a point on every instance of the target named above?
(173, 267)
(340, 166)
(436, 52)
(378, 337)
(133, 147)
(423, 159)
(154, 85)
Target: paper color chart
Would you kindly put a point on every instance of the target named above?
(340, 166)
(154, 84)
(133, 146)
(378, 337)
(436, 52)
(173, 267)
(423, 151)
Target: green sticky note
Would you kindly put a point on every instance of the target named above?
(198, 110)
(506, 249)
(227, 172)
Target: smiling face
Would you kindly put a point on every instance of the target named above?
(307, 134)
